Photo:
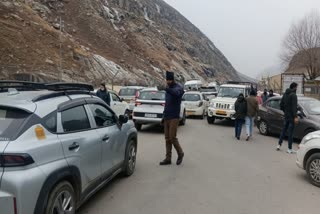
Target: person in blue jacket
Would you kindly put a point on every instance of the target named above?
(103, 94)
(171, 118)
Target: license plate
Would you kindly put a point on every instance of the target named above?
(151, 115)
(189, 113)
(221, 112)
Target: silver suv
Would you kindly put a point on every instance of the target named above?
(59, 144)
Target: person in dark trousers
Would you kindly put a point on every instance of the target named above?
(103, 94)
(171, 118)
(241, 112)
(289, 105)
(271, 93)
(252, 111)
(265, 96)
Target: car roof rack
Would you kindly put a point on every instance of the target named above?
(62, 93)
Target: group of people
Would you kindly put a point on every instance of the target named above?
(247, 109)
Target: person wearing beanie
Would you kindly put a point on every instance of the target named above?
(252, 111)
(103, 94)
(240, 107)
(171, 118)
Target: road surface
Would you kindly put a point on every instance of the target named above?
(219, 175)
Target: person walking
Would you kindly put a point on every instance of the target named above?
(103, 94)
(289, 105)
(265, 96)
(252, 111)
(171, 118)
(241, 111)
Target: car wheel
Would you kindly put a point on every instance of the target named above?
(138, 126)
(263, 128)
(308, 131)
(130, 160)
(313, 169)
(62, 199)
(184, 119)
(211, 120)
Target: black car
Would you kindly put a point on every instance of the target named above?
(271, 117)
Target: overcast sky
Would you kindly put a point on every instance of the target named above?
(248, 32)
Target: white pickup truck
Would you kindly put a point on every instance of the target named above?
(222, 107)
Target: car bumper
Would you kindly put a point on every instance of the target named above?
(194, 111)
(212, 112)
(7, 203)
(144, 120)
(300, 156)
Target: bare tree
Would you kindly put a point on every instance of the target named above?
(301, 46)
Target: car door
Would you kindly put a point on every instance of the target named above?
(117, 105)
(112, 138)
(81, 144)
(275, 115)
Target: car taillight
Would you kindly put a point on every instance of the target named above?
(15, 160)
(163, 104)
(138, 104)
(15, 205)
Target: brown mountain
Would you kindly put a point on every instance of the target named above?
(96, 40)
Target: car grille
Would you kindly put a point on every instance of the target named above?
(222, 106)
(139, 114)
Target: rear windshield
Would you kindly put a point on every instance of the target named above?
(312, 106)
(191, 97)
(152, 95)
(128, 92)
(10, 120)
(211, 89)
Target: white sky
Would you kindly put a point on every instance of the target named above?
(248, 32)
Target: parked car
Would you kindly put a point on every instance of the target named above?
(195, 104)
(117, 104)
(271, 117)
(58, 147)
(210, 92)
(308, 156)
(130, 94)
(150, 107)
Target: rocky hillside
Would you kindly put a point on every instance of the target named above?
(130, 41)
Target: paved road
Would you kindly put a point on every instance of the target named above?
(220, 175)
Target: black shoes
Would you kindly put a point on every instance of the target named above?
(248, 138)
(165, 162)
(180, 159)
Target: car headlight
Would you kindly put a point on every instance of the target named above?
(231, 107)
(212, 105)
(309, 137)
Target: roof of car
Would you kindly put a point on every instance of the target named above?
(234, 86)
(150, 89)
(301, 98)
(193, 92)
(134, 87)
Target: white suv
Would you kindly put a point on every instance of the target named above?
(222, 107)
(308, 157)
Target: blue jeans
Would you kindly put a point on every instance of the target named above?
(287, 126)
(249, 125)
(238, 127)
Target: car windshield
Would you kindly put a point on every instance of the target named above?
(312, 106)
(10, 120)
(191, 97)
(127, 92)
(210, 89)
(152, 95)
(230, 92)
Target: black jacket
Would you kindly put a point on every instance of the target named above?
(241, 109)
(289, 104)
(105, 96)
(173, 102)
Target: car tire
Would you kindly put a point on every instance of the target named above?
(184, 119)
(313, 169)
(62, 199)
(211, 120)
(138, 126)
(263, 128)
(130, 159)
(308, 131)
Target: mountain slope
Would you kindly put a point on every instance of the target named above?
(133, 41)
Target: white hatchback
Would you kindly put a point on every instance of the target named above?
(149, 108)
(308, 157)
(195, 104)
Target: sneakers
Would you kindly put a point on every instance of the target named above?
(165, 162)
(278, 147)
(290, 151)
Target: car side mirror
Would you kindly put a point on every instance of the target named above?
(123, 119)
(300, 114)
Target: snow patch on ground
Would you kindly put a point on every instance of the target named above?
(158, 8)
(146, 16)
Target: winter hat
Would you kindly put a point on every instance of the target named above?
(169, 75)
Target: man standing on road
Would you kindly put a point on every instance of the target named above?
(289, 105)
(265, 96)
(103, 94)
(171, 118)
(241, 111)
(271, 93)
(252, 111)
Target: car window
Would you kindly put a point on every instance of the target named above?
(127, 92)
(191, 97)
(115, 98)
(152, 95)
(275, 104)
(50, 122)
(102, 116)
(75, 119)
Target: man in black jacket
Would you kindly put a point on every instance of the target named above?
(104, 94)
(289, 105)
(171, 118)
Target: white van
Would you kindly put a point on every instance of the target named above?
(193, 85)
